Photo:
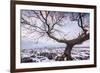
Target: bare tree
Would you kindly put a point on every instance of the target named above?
(45, 23)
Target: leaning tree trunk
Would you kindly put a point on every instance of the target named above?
(67, 52)
(70, 43)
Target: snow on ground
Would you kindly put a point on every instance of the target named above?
(80, 53)
(49, 54)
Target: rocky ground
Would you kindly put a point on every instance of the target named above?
(50, 54)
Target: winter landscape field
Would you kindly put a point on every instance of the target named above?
(48, 36)
(51, 54)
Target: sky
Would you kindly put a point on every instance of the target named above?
(70, 28)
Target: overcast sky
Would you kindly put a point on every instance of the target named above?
(70, 28)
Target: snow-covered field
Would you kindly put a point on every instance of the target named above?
(50, 54)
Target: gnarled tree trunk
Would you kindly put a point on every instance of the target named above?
(67, 52)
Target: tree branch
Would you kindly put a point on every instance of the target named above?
(38, 16)
(54, 38)
(56, 22)
(79, 40)
(80, 23)
(28, 23)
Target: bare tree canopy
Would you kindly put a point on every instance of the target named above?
(54, 25)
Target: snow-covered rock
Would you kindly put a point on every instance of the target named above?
(49, 55)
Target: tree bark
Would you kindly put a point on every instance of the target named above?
(67, 52)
